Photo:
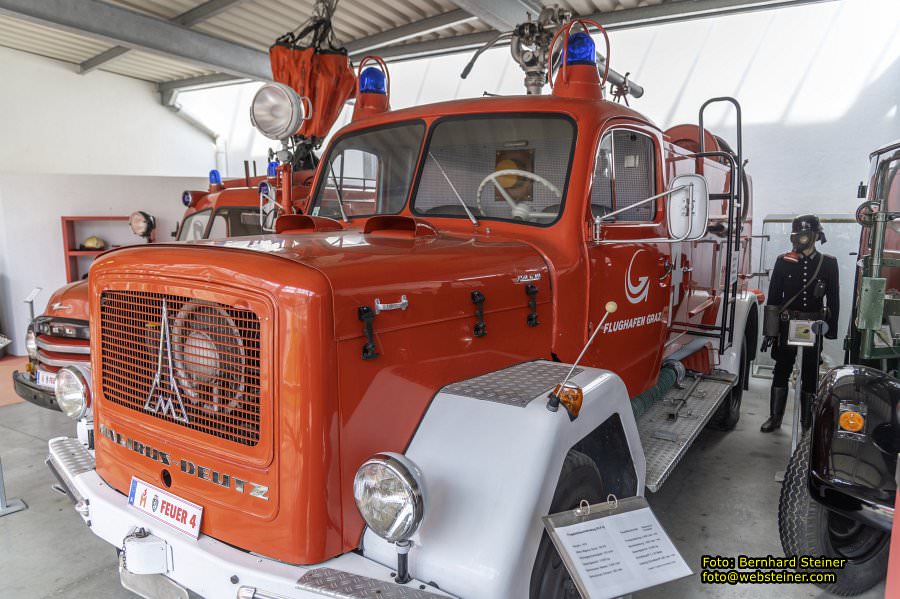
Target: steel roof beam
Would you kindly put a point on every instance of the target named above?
(682, 10)
(207, 10)
(140, 32)
(502, 15)
(669, 12)
(204, 11)
(104, 57)
(405, 32)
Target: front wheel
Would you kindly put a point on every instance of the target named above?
(729, 412)
(808, 528)
(578, 480)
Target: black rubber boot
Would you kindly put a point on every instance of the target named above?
(806, 402)
(777, 402)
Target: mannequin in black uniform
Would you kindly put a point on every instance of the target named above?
(805, 284)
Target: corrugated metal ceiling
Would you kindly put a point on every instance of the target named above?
(256, 24)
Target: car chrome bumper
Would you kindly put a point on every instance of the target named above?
(853, 505)
(209, 567)
(31, 392)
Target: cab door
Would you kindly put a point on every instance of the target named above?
(635, 275)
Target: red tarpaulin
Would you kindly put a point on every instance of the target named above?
(321, 72)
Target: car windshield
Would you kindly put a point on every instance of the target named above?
(230, 221)
(235, 221)
(194, 226)
(369, 172)
(498, 167)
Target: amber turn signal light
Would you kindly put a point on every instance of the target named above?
(851, 421)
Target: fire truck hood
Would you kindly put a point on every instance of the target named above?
(437, 274)
(69, 301)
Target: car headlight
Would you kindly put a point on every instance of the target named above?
(141, 223)
(73, 394)
(390, 496)
(277, 111)
(31, 344)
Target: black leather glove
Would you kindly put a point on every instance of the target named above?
(768, 342)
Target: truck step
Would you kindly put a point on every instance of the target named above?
(669, 427)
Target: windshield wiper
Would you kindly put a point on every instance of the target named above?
(340, 195)
(453, 187)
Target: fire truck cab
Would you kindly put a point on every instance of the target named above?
(493, 309)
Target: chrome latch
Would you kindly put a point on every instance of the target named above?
(403, 304)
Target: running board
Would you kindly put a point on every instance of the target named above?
(670, 426)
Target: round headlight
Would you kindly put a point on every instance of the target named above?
(141, 223)
(390, 496)
(31, 344)
(277, 111)
(72, 392)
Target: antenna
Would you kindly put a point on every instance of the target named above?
(559, 394)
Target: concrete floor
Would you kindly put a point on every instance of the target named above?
(722, 500)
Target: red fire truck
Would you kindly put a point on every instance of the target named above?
(493, 309)
(61, 336)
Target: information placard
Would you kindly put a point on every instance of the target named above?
(612, 549)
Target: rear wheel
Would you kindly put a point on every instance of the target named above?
(728, 414)
(808, 528)
(578, 480)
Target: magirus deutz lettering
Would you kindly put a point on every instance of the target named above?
(187, 466)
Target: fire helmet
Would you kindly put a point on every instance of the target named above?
(808, 223)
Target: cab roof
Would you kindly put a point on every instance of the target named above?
(578, 108)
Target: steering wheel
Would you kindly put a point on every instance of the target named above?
(519, 211)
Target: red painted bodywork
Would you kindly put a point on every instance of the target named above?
(326, 409)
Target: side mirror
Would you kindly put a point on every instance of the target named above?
(862, 191)
(687, 209)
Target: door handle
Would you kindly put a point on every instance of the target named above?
(669, 267)
(403, 304)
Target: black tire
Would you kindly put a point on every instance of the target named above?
(729, 412)
(578, 480)
(806, 527)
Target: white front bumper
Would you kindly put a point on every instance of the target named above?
(209, 567)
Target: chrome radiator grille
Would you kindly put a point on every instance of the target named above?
(191, 362)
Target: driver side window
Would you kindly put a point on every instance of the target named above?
(624, 174)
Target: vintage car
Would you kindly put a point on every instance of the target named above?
(474, 325)
(838, 495)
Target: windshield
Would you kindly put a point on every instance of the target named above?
(194, 226)
(369, 172)
(232, 221)
(235, 221)
(501, 167)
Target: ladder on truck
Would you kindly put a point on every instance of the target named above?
(671, 424)
(723, 330)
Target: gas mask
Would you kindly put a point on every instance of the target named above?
(803, 241)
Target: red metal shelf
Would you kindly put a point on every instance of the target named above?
(70, 241)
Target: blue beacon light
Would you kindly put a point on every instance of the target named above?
(272, 169)
(581, 49)
(372, 81)
(215, 177)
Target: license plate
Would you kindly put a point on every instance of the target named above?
(46, 379)
(178, 513)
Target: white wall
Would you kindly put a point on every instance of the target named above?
(81, 145)
(53, 120)
(31, 246)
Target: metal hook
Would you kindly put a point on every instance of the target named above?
(611, 499)
(584, 508)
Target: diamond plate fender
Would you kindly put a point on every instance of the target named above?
(490, 470)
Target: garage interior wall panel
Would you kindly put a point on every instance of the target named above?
(54, 120)
(31, 235)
